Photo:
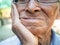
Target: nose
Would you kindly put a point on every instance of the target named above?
(32, 7)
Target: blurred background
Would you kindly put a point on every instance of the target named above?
(5, 20)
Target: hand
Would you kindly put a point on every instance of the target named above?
(20, 30)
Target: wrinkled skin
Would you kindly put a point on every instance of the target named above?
(58, 16)
(34, 20)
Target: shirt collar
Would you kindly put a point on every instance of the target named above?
(53, 37)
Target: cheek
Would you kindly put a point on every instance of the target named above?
(20, 8)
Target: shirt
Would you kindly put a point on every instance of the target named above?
(15, 41)
(55, 39)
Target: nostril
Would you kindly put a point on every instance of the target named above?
(29, 11)
(36, 11)
(32, 11)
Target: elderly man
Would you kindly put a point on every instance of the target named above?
(32, 22)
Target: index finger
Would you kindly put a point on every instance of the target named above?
(15, 13)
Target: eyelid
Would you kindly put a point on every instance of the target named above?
(22, 1)
(41, 1)
(47, 0)
(15, 0)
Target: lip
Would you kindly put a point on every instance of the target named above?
(32, 18)
(32, 21)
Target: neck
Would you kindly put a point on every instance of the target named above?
(46, 40)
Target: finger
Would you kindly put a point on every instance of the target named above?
(15, 11)
(12, 13)
(15, 15)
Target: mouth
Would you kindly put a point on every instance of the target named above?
(28, 18)
(34, 18)
(37, 22)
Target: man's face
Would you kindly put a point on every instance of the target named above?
(37, 16)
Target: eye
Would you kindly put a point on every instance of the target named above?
(42, 0)
(15, 0)
(23, 1)
(46, 0)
